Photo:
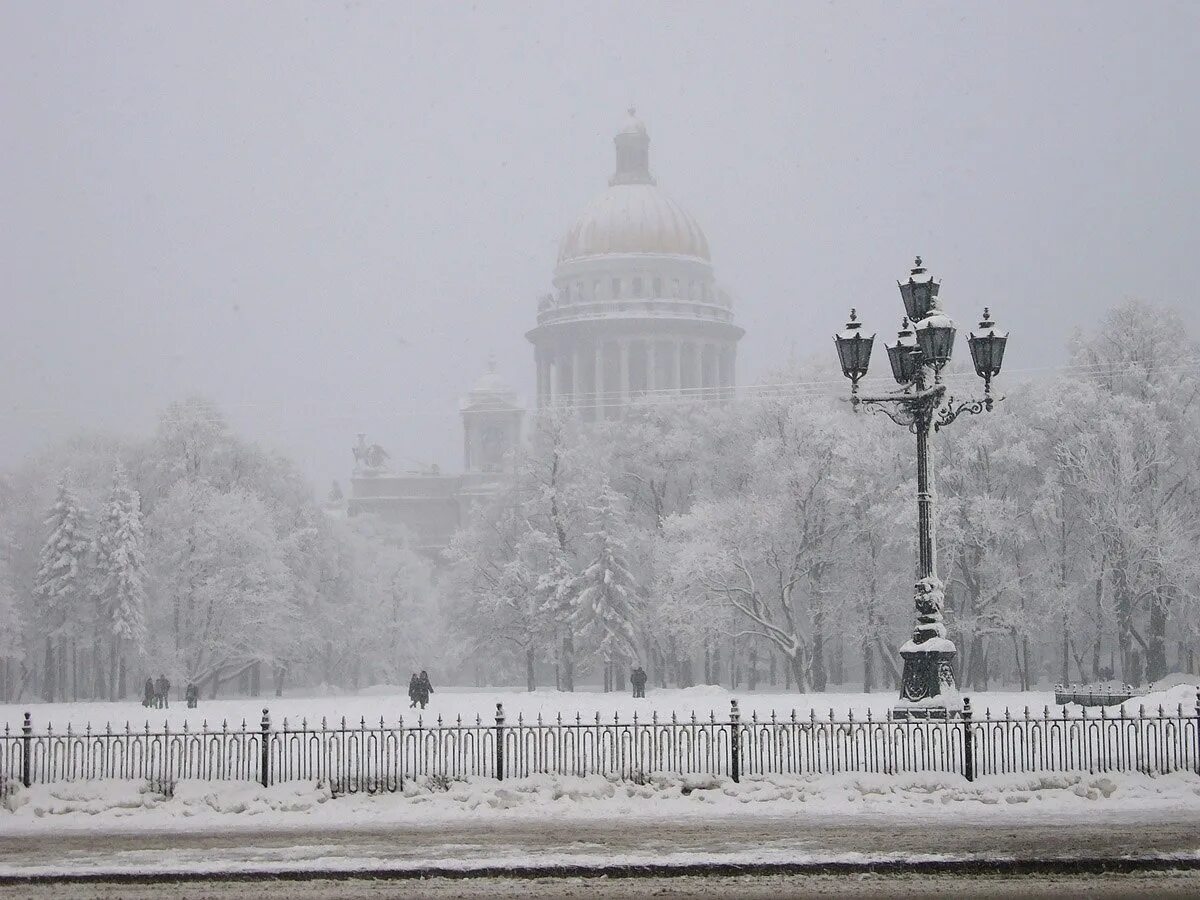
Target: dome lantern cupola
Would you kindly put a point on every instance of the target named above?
(633, 153)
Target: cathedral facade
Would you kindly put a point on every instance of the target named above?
(635, 311)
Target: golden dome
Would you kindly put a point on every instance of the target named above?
(634, 218)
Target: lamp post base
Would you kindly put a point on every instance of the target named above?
(927, 689)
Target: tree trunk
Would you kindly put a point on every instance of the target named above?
(819, 677)
(48, 678)
(752, 674)
(868, 666)
(122, 680)
(800, 667)
(1156, 651)
(568, 663)
(280, 674)
(530, 681)
(256, 678)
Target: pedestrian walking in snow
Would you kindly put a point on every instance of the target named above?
(425, 688)
(162, 690)
(148, 695)
(637, 678)
(414, 691)
(192, 695)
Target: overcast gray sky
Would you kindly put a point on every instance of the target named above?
(325, 216)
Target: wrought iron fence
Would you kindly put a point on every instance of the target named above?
(370, 757)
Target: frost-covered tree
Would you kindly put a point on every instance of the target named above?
(607, 603)
(222, 591)
(120, 577)
(60, 586)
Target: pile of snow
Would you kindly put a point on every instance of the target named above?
(1182, 693)
(140, 806)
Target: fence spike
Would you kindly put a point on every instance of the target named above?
(459, 721)
(343, 723)
(577, 719)
(324, 726)
(635, 717)
(812, 715)
(539, 720)
(559, 717)
(868, 715)
(654, 717)
(693, 717)
(285, 723)
(439, 720)
(362, 721)
(597, 717)
(1026, 712)
(850, 716)
(1160, 711)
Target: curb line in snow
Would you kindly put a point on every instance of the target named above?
(968, 866)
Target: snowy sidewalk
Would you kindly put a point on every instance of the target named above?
(118, 827)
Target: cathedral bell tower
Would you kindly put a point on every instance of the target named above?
(492, 419)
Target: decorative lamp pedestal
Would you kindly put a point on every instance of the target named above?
(927, 689)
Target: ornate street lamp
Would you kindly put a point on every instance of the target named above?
(904, 355)
(923, 405)
(854, 351)
(987, 352)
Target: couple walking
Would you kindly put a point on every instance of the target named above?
(419, 689)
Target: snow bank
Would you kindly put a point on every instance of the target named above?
(197, 805)
(1182, 693)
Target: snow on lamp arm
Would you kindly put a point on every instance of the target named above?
(923, 348)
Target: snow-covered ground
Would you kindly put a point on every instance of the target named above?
(131, 805)
(390, 703)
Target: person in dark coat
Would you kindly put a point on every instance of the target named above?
(425, 687)
(192, 695)
(162, 688)
(637, 678)
(414, 691)
(148, 697)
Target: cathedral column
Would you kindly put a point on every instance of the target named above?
(575, 379)
(599, 396)
(678, 345)
(698, 367)
(623, 346)
(651, 367)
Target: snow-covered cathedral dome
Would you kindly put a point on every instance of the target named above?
(635, 307)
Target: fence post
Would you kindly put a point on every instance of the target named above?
(499, 741)
(265, 725)
(735, 741)
(968, 741)
(27, 751)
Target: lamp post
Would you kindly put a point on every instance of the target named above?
(922, 350)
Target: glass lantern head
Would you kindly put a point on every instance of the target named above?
(935, 339)
(904, 355)
(987, 347)
(919, 292)
(854, 348)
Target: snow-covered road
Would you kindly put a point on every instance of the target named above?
(483, 844)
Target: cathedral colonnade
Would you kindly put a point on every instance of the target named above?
(600, 375)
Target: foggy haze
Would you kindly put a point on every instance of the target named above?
(325, 217)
